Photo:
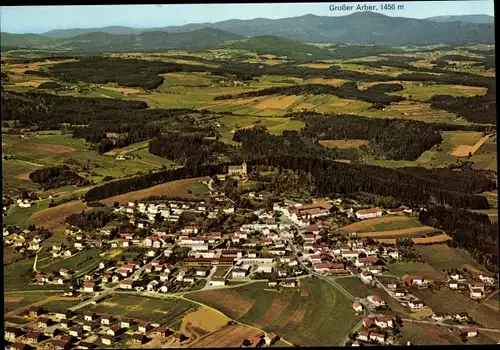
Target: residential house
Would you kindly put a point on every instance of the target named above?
(44, 322)
(376, 300)
(139, 339)
(366, 276)
(239, 273)
(12, 333)
(408, 279)
(107, 339)
(126, 323)
(416, 304)
(384, 321)
(106, 320)
(453, 285)
(35, 311)
(114, 330)
(349, 254)
(61, 344)
(376, 269)
(34, 337)
(76, 331)
(357, 306)
(364, 335)
(215, 281)
(476, 293)
(400, 292)
(143, 327)
(89, 326)
(126, 284)
(469, 331)
(368, 322)
(88, 287)
(478, 284)
(90, 316)
(369, 260)
(379, 337)
(289, 283)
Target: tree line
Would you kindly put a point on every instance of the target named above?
(374, 94)
(476, 109)
(91, 220)
(190, 149)
(57, 176)
(471, 231)
(135, 183)
(396, 139)
(412, 186)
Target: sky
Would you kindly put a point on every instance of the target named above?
(39, 19)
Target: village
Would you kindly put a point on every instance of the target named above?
(279, 247)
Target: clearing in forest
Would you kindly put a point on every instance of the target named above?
(464, 150)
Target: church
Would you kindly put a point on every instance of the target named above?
(238, 170)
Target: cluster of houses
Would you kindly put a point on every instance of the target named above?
(477, 288)
(24, 240)
(68, 330)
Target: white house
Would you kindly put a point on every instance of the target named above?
(216, 282)
(415, 304)
(357, 306)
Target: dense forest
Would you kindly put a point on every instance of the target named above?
(413, 186)
(91, 220)
(135, 183)
(51, 85)
(57, 176)
(374, 94)
(454, 78)
(191, 149)
(257, 142)
(43, 111)
(476, 109)
(471, 231)
(396, 139)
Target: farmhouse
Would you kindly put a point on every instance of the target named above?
(365, 261)
(415, 304)
(407, 279)
(216, 281)
(476, 293)
(357, 306)
(469, 331)
(126, 284)
(453, 285)
(376, 300)
(364, 335)
(368, 213)
(384, 321)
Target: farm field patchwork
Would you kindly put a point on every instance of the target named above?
(286, 312)
(228, 336)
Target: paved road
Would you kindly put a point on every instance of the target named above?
(448, 325)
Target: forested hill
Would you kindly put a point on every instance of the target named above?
(364, 28)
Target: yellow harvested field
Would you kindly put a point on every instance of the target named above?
(206, 319)
(193, 63)
(463, 150)
(13, 299)
(405, 231)
(357, 226)
(305, 106)
(316, 65)
(174, 188)
(435, 239)
(331, 81)
(281, 102)
(23, 176)
(124, 90)
(231, 336)
(343, 144)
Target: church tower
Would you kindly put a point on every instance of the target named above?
(244, 169)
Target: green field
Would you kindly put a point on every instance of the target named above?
(424, 334)
(198, 189)
(392, 225)
(15, 301)
(166, 311)
(356, 287)
(57, 305)
(440, 256)
(17, 277)
(303, 320)
(18, 216)
(80, 262)
(414, 268)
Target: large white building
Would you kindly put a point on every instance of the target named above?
(368, 213)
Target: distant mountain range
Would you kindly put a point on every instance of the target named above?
(481, 19)
(364, 28)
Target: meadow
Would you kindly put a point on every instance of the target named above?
(166, 311)
(315, 312)
(356, 287)
(440, 257)
(400, 269)
(81, 261)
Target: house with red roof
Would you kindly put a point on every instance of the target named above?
(469, 331)
(376, 300)
(357, 306)
(368, 213)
